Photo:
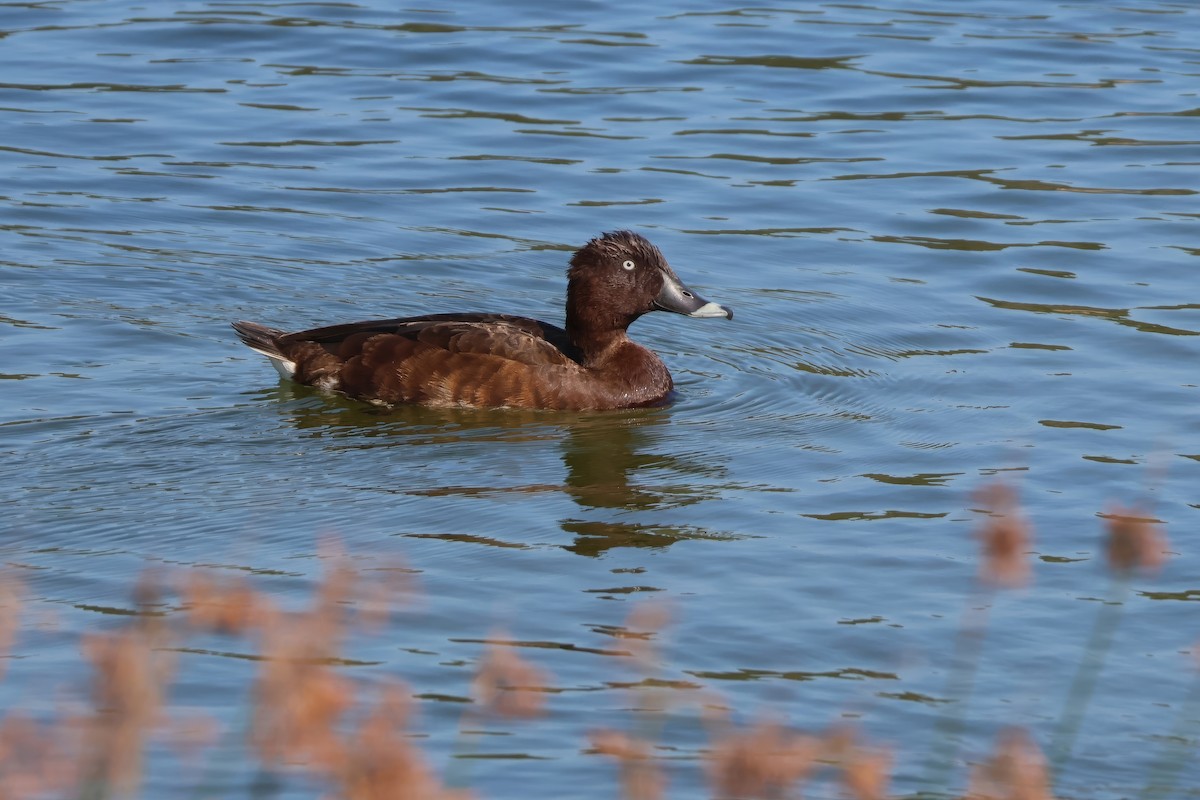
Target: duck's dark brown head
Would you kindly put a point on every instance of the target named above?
(617, 277)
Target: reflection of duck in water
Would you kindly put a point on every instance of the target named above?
(612, 468)
(627, 476)
(498, 360)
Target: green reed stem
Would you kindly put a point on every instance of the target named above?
(94, 789)
(466, 746)
(1165, 771)
(229, 746)
(960, 683)
(1084, 682)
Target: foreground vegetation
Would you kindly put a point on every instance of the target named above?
(308, 721)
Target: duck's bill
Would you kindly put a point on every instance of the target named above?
(712, 310)
(676, 297)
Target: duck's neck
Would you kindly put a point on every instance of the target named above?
(597, 347)
(596, 337)
(630, 373)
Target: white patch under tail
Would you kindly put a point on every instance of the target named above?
(285, 368)
(261, 339)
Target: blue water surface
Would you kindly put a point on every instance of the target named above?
(958, 240)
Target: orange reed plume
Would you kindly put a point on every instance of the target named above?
(226, 606)
(507, 684)
(642, 776)
(299, 702)
(36, 759)
(300, 698)
(641, 630)
(380, 760)
(1016, 771)
(866, 770)
(765, 761)
(12, 593)
(132, 669)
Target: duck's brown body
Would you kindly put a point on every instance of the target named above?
(475, 360)
(497, 360)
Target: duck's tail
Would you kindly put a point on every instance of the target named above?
(264, 340)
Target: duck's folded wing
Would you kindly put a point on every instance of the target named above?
(519, 339)
(512, 342)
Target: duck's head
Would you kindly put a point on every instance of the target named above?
(618, 276)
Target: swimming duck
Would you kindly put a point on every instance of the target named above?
(503, 361)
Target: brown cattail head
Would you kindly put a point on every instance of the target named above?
(1135, 541)
(1006, 538)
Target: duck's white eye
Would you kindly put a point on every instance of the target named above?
(628, 265)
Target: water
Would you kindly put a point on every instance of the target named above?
(958, 240)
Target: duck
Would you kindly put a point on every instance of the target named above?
(496, 360)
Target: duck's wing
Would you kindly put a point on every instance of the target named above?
(520, 339)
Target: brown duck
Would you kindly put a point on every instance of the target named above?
(503, 361)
